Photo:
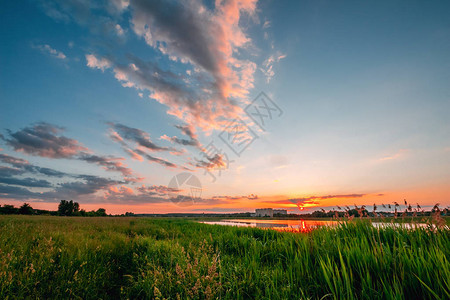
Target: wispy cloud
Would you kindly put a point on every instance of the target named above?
(122, 132)
(12, 187)
(28, 182)
(109, 163)
(23, 166)
(310, 201)
(187, 130)
(45, 140)
(49, 50)
(269, 63)
(400, 154)
(136, 142)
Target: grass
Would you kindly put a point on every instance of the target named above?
(91, 258)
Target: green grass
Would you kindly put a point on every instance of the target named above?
(91, 258)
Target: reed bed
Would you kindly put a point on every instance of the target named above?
(92, 258)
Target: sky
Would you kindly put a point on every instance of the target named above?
(138, 105)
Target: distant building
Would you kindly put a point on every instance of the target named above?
(264, 212)
(280, 212)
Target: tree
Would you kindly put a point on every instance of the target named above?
(354, 212)
(68, 208)
(8, 209)
(26, 209)
(101, 212)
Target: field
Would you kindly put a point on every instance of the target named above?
(91, 258)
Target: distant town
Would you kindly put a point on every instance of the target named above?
(269, 212)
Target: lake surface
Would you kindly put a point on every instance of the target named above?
(304, 225)
(301, 225)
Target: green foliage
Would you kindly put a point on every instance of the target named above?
(25, 209)
(65, 208)
(54, 257)
(68, 208)
(8, 210)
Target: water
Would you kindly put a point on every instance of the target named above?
(300, 225)
(305, 225)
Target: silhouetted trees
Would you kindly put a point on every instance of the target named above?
(26, 209)
(101, 212)
(68, 208)
(65, 208)
(8, 210)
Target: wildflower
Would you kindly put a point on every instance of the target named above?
(157, 293)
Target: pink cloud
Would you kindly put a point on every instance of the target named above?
(210, 40)
(97, 63)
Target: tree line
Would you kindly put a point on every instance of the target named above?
(65, 208)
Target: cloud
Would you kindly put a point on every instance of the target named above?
(338, 196)
(119, 30)
(141, 141)
(46, 171)
(120, 4)
(89, 185)
(141, 138)
(160, 194)
(22, 166)
(42, 139)
(99, 18)
(248, 197)
(401, 153)
(8, 172)
(109, 163)
(315, 200)
(97, 63)
(14, 192)
(187, 130)
(133, 154)
(85, 185)
(78, 186)
(29, 182)
(207, 39)
(66, 11)
(158, 160)
(191, 34)
(158, 189)
(142, 194)
(268, 64)
(214, 162)
(49, 50)
(14, 161)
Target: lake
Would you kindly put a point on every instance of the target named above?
(301, 225)
(304, 225)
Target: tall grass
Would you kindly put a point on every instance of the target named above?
(57, 257)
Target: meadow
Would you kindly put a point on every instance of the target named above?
(100, 258)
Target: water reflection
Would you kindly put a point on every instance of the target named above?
(283, 225)
(306, 225)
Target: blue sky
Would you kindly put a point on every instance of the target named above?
(121, 96)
